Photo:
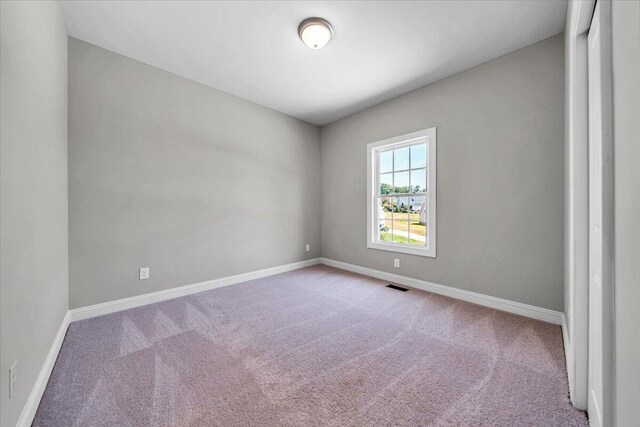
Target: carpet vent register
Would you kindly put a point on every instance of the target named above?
(397, 288)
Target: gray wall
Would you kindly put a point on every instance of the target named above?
(169, 174)
(500, 177)
(33, 175)
(626, 128)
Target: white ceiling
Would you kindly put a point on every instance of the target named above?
(380, 49)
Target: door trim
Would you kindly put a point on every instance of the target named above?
(606, 410)
(579, 14)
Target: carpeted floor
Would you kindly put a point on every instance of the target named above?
(317, 346)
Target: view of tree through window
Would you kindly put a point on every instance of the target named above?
(402, 195)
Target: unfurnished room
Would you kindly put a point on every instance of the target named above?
(319, 213)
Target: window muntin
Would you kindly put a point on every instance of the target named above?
(401, 194)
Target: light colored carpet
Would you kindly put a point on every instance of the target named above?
(317, 346)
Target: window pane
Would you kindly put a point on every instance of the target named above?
(401, 159)
(401, 182)
(385, 207)
(386, 161)
(401, 232)
(415, 205)
(401, 209)
(384, 214)
(418, 180)
(418, 220)
(385, 233)
(418, 156)
(386, 183)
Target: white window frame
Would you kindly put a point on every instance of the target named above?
(421, 136)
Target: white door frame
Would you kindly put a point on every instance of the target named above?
(575, 328)
(601, 221)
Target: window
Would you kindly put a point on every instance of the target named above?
(401, 193)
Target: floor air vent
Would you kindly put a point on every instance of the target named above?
(397, 288)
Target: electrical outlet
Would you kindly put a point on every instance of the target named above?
(144, 273)
(396, 263)
(307, 247)
(13, 377)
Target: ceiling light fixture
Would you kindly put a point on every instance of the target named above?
(315, 32)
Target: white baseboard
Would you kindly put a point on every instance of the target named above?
(526, 310)
(150, 298)
(30, 408)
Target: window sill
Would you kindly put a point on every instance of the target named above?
(428, 252)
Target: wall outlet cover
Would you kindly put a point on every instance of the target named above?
(307, 247)
(144, 273)
(396, 263)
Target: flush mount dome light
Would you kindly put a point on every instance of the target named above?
(315, 32)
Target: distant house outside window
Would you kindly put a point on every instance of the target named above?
(401, 193)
